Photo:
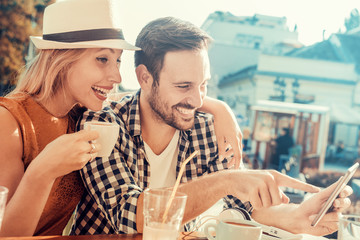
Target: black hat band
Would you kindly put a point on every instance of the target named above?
(85, 35)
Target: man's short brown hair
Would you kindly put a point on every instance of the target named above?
(167, 35)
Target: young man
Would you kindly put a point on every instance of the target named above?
(160, 127)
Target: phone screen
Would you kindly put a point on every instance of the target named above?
(339, 187)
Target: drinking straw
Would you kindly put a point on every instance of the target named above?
(182, 168)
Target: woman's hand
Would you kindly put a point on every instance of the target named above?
(229, 138)
(227, 130)
(67, 153)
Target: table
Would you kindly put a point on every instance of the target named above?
(123, 237)
(98, 237)
(81, 237)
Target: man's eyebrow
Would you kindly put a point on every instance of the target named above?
(190, 82)
(183, 82)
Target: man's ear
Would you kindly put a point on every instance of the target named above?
(144, 77)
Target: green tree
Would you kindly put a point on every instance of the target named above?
(18, 20)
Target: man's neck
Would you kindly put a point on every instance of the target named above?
(154, 132)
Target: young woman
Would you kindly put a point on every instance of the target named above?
(77, 66)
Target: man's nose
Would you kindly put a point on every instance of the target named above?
(197, 98)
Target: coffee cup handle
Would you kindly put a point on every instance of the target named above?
(206, 230)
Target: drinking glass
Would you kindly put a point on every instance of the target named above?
(3, 196)
(155, 204)
(349, 227)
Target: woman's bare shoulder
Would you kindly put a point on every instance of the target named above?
(7, 119)
(10, 135)
(11, 164)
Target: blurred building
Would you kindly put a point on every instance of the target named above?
(343, 97)
(239, 41)
(259, 58)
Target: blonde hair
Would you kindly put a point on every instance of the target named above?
(46, 73)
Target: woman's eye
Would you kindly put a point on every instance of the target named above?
(102, 59)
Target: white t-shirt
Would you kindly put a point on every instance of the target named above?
(163, 166)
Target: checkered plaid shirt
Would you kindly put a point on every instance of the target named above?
(114, 184)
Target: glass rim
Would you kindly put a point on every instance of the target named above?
(346, 217)
(3, 190)
(159, 191)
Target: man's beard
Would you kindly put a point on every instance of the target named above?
(166, 114)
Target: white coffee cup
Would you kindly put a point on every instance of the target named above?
(108, 134)
(234, 229)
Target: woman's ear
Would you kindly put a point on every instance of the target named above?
(144, 77)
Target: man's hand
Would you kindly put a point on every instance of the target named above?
(297, 218)
(262, 187)
(329, 223)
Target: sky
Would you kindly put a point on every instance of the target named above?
(310, 16)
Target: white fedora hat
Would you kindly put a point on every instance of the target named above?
(82, 24)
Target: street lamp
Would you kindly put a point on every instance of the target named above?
(295, 88)
(282, 86)
(276, 84)
(279, 88)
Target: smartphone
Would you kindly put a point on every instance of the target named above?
(339, 187)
